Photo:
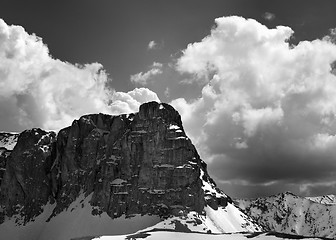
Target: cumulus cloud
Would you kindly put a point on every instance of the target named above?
(269, 16)
(130, 102)
(142, 78)
(152, 45)
(267, 112)
(37, 90)
(331, 37)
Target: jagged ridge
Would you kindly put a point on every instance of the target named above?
(140, 163)
(288, 213)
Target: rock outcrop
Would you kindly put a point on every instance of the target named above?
(291, 214)
(140, 163)
(26, 185)
(7, 143)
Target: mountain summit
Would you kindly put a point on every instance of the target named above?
(104, 172)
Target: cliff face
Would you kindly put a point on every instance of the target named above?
(26, 185)
(7, 143)
(138, 163)
(141, 163)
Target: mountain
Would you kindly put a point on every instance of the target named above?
(7, 143)
(288, 213)
(8, 140)
(325, 199)
(108, 175)
(168, 235)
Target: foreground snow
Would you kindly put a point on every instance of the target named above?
(77, 221)
(168, 235)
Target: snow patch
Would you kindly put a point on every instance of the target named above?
(118, 182)
(209, 188)
(172, 127)
(8, 140)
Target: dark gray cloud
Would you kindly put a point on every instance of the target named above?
(267, 115)
(269, 16)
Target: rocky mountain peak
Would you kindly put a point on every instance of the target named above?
(132, 164)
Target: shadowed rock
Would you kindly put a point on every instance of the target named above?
(140, 163)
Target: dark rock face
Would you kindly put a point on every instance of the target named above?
(25, 187)
(139, 163)
(4, 154)
(7, 141)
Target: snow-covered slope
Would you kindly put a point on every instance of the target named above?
(325, 199)
(169, 235)
(224, 218)
(288, 213)
(76, 221)
(8, 140)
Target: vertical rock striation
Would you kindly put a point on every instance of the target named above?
(140, 163)
(25, 187)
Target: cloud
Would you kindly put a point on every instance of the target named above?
(267, 113)
(37, 90)
(152, 45)
(331, 36)
(269, 16)
(130, 102)
(142, 78)
(167, 92)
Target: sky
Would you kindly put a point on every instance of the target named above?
(253, 80)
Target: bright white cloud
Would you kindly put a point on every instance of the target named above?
(267, 107)
(37, 90)
(142, 78)
(152, 45)
(157, 65)
(130, 102)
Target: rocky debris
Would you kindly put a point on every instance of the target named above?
(291, 214)
(140, 163)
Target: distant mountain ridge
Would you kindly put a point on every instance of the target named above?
(105, 172)
(325, 199)
(288, 213)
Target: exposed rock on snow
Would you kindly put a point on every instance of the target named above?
(288, 213)
(326, 199)
(168, 235)
(8, 140)
(7, 144)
